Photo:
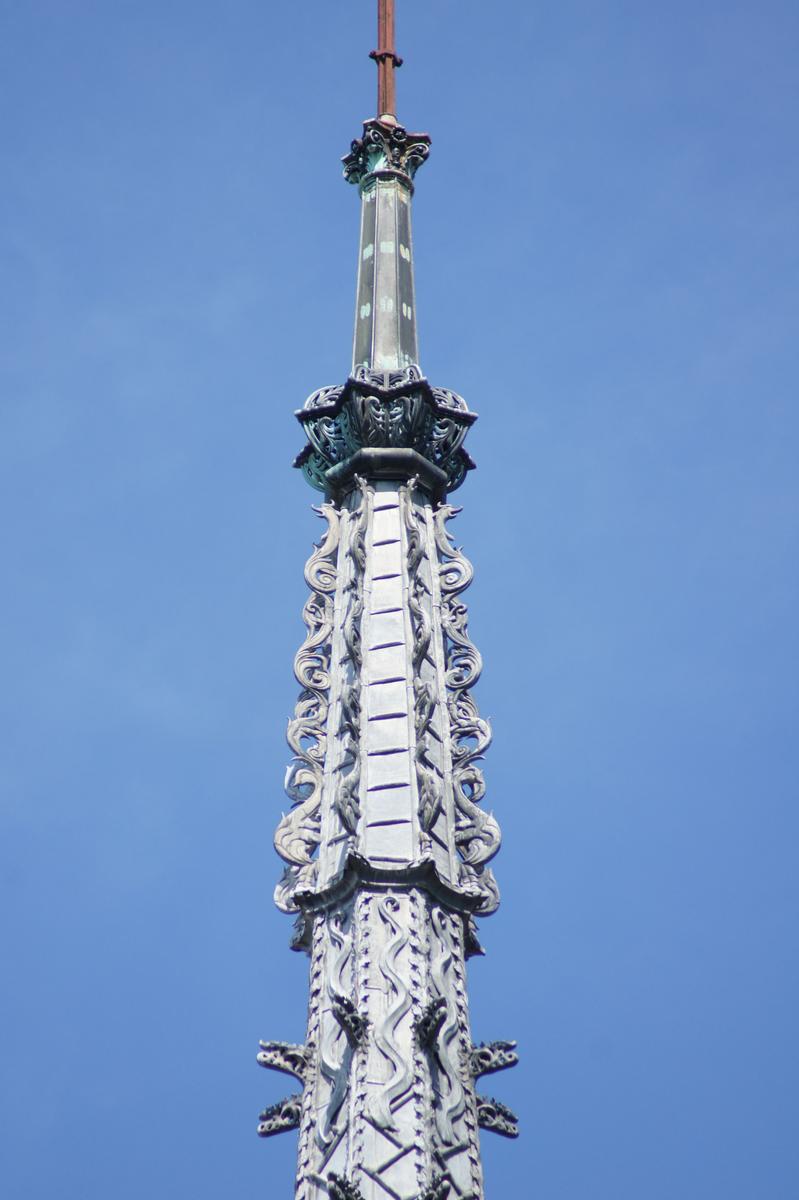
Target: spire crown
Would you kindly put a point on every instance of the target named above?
(385, 150)
(386, 422)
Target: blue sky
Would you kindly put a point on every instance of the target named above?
(607, 268)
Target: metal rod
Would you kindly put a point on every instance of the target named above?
(387, 60)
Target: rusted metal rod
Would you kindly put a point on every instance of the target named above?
(387, 60)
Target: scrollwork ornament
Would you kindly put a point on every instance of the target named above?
(293, 882)
(430, 793)
(481, 884)
(347, 798)
(456, 572)
(385, 147)
(298, 833)
(477, 834)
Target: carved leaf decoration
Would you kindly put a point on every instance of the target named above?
(298, 833)
(385, 409)
(341, 1188)
(439, 1189)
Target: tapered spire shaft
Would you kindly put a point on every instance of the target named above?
(383, 163)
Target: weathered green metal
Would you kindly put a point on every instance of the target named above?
(383, 163)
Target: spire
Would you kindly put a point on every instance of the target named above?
(386, 419)
(386, 844)
(383, 163)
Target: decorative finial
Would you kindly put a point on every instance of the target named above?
(387, 61)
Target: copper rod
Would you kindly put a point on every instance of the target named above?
(387, 59)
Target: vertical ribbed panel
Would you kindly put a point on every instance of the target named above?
(385, 312)
(394, 1113)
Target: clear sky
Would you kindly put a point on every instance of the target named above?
(607, 269)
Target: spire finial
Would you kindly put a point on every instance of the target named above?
(387, 60)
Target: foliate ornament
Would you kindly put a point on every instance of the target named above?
(298, 834)
(424, 695)
(385, 148)
(354, 1025)
(497, 1117)
(347, 799)
(280, 1117)
(384, 410)
(430, 795)
(439, 1189)
(428, 1027)
(495, 1056)
(471, 941)
(482, 884)
(302, 932)
(294, 882)
(341, 1188)
(477, 834)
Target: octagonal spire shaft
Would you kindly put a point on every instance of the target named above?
(385, 336)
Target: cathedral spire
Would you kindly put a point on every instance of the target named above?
(387, 845)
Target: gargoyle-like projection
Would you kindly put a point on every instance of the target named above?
(489, 1057)
(284, 1056)
(280, 1117)
(497, 1117)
